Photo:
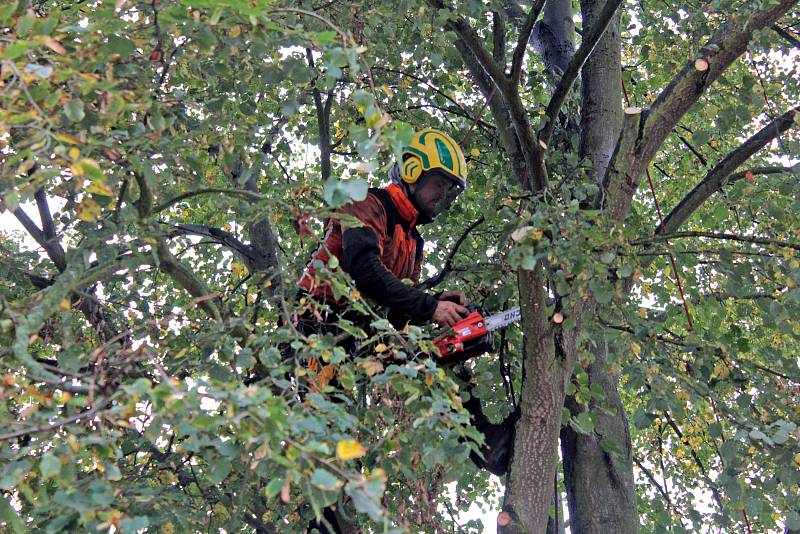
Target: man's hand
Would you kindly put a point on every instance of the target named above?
(453, 296)
(449, 313)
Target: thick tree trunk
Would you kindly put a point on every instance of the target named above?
(600, 487)
(601, 95)
(529, 487)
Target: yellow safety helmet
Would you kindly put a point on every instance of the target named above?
(431, 149)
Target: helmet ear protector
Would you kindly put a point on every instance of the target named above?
(412, 168)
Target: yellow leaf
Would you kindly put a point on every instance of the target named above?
(380, 347)
(74, 153)
(474, 152)
(66, 138)
(636, 348)
(372, 366)
(235, 31)
(721, 371)
(65, 305)
(97, 188)
(87, 210)
(348, 449)
(428, 379)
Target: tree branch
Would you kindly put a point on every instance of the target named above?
(184, 277)
(448, 264)
(242, 251)
(791, 39)
(715, 235)
(522, 41)
(54, 425)
(53, 247)
(520, 142)
(247, 195)
(588, 44)
(498, 38)
(727, 44)
(721, 174)
(655, 483)
(475, 44)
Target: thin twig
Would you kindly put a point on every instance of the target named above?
(54, 425)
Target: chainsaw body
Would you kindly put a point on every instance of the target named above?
(467, 338)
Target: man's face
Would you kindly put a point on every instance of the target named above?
(434, 193)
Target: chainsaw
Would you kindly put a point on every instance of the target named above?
(472, 335)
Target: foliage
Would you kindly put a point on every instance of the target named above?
(144, 350)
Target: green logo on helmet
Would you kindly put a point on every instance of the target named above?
(444, 154)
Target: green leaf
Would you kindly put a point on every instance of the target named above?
(74, 110)
(339, 192)
(327, 37)
(204, 38)
(10, 517)
(325, 480)
(16, 49)
(134, 524)
(611, 446)
(121, 45)
(50, 465)
(583, 423)
(219, 470)
(273, 488)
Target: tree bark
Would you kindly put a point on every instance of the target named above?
(601, 99)
(529, 487)
(600, 488)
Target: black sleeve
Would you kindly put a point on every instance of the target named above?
(361, 260)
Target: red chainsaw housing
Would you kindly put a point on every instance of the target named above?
(464, 339)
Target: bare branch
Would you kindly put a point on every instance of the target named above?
(721, 173)
(716, 235)
(727, 44)
(189, 194)
(791, 39)
(590, 40)
(448, 264)
(522, 41)
(184, 277)
(55, 425)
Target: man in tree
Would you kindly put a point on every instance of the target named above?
(388, 247)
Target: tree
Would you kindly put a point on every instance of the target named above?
(632, 188)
